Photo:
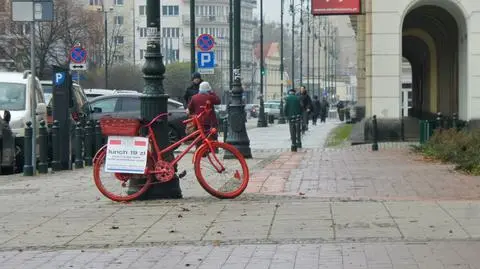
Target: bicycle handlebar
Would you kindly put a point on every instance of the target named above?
(206, 109)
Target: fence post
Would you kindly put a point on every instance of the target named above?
(27, 150)
(88, 143)
(98, 136)
(299, 131)
(56, 165)
(454, 120)
(43, 148)
(293, 133)
(375, 133)
(78, 146)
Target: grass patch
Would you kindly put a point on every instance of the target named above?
(461, 148)
(339, 135)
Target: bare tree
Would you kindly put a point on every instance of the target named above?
(54, 39)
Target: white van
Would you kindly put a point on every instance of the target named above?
(15, 97)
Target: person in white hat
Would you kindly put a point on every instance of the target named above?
(198, 101)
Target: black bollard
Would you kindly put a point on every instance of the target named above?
(27, 150)
(56, 165)
(43, 148)
(98, 136)
(78, 146)
(293, 133)
(439, 121)
(402, 129)
(88, 144)
(225, 129)
(299, 131)
(454, 121)
(375, 133)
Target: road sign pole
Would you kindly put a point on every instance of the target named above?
(33, 98)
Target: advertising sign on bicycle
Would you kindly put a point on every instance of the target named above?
(126, 154)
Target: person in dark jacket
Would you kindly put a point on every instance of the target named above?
(324, 107)
(193, 88)
(316, 110)
(195, 107)
(306, 104)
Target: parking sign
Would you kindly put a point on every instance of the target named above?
(206, 59)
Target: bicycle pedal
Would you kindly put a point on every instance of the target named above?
(182, 174)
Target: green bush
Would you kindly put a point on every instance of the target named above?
(461, 148)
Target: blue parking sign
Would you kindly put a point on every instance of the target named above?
(206, 59)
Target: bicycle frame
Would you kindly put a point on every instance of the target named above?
(199, 135)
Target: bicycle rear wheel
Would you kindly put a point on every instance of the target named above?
(106, 182)
(211, 166)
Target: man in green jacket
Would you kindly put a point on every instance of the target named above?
(293, 109)
(292, 105)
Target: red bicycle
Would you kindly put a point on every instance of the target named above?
(221, 158)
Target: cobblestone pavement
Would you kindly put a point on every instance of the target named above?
(438, 255)
(317, 208)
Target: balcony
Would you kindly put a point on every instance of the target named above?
(205, 19)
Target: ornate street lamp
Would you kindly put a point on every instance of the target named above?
(262, 122)
(237, 132)
(281, 119)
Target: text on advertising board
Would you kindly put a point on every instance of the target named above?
(336, 7)
(126, 154)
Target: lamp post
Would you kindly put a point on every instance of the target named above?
(292, 11)
(192, 37)
(105, 41)
(262, 122)
(301, 42)
(308, 50)
(281, 119)
(230, 45)
(154, 100)
(237, 132)
(320, 57)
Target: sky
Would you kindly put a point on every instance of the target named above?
(271, 9)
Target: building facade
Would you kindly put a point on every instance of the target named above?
(211, 17)
(438, 38)
(272, 81)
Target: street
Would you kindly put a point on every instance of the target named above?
(322, 207)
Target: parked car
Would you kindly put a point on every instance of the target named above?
(127, 105)
(14, 96)
(92, 93)
(252, 110)
(272, 108)
(77, 106)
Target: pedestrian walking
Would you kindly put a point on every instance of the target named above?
(193, 88)
(316, 110)
(324, 107)
(292, 110)
(306, 105)
(198, 101)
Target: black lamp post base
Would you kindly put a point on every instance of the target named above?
(237, 132)
(262, 122)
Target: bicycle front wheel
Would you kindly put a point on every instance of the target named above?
(221, 171)
(119, 187)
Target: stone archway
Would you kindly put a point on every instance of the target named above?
(432, 42)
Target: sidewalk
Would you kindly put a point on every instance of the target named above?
(317, 208)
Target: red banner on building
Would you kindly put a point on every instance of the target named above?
(336, 7)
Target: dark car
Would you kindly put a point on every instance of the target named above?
(127, 105)
(77, 105)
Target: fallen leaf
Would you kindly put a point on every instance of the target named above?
(115, 227)
(180, 216)
(171, 231)
(301, 193)
(219, 232)
(185, 209)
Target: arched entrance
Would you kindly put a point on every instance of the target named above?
(432, 42)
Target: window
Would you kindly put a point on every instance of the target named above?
(143, 32)
(119, 39)
(130, 104)
(119, 2)
(170, 10)
(119, 58)
(171, 32)
(118, 20)
(106, 105)
(142, 53)
(95, 2)
(141, 10)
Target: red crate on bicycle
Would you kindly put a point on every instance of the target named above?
(119, 127)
